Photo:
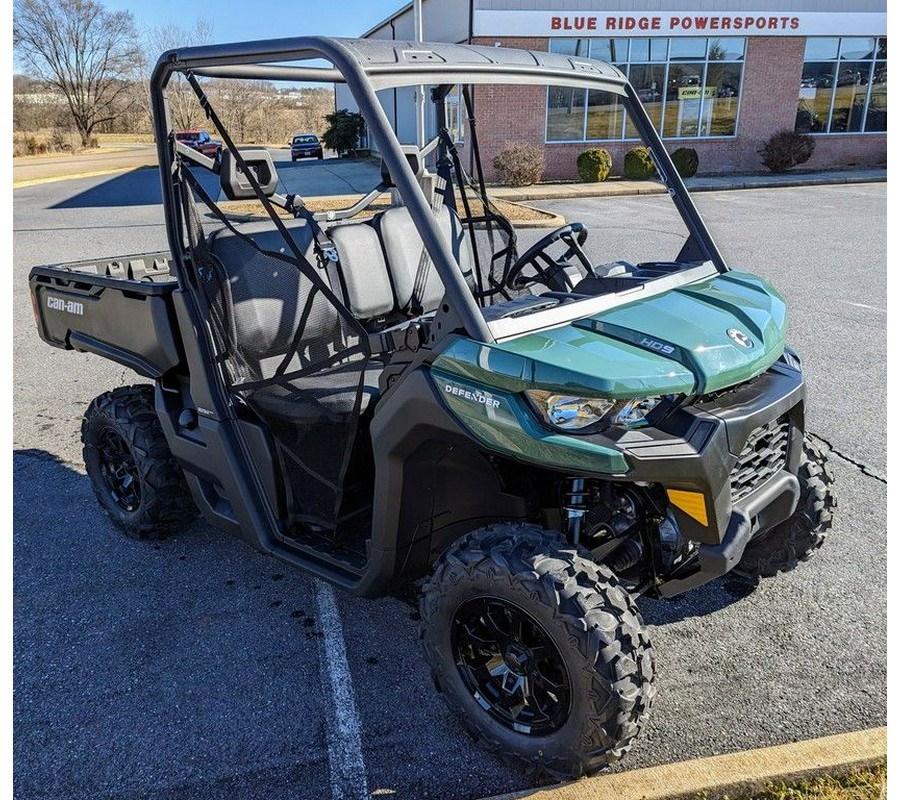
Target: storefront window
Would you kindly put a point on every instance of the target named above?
(720, 106)
(615, 51)
(605, 115)
(843, 88)
(876, 116)
(689, 86)
(565, 114)
(649, 81)
(685, 90)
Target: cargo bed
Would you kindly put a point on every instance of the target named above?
(120, 309)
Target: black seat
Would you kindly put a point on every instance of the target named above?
(402, 247)
(268, 300)
(374, 277)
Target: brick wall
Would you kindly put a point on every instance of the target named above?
(772, 70)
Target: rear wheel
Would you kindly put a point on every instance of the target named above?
(539, 649)
(133, 473)
(797, 538)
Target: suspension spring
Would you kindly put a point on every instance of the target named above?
(575, 504)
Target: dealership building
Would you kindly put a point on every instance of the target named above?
(720, 76)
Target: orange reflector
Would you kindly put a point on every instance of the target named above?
(691, 503)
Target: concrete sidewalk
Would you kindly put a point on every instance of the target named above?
(621, 186)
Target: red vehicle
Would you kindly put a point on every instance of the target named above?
(200, 141)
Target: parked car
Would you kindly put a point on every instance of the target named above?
(306, 144)
(200, 141)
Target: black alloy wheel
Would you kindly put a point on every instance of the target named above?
(511, 666)
(119, 470)
(539, 649)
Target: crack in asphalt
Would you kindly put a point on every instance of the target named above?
(340, 177)
(863, 468)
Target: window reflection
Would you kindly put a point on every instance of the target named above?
(843, 88)
(685, 91)
(565, 114)
(605, 115)
(689, 86)
(648, 81)
(876, 118)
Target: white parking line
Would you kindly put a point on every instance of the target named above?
(345, 757)
(864, 305)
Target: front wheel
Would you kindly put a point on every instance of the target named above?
(540, 650)
(134, 475)
(798, 537)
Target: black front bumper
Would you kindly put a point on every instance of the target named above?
(701, 449)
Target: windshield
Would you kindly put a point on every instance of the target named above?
(305, 140)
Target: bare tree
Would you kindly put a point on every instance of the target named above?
(87, 52)
(239, 102)
(183, 106)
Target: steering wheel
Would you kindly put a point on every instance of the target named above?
(550, 272)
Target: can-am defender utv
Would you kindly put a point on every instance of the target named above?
(378, 398)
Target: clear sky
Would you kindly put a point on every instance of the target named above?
(239, 20)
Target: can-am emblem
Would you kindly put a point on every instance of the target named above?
(739, 337)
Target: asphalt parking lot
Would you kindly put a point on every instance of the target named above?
(192, 668)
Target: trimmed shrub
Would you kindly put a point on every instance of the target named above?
(519, 164)
(686, 161)
(594, 165)
(638, 164)
(786, 149)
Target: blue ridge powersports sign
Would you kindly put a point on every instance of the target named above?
(680, 23)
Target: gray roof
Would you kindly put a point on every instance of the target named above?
(389, 63)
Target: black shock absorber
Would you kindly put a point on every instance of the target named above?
(575, 504)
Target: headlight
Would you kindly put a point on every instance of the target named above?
(633, 413)
(569, 413)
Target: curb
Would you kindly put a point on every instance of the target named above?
(24, 184)
(734, 775)
(569, 192)
(553, 221)
(548, 218)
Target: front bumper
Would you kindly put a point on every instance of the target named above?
(712, 448)
(701, 449)
(774, 503)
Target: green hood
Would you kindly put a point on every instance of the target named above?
(673, 343)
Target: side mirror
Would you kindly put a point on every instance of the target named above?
(234, 182)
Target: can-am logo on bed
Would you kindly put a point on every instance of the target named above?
(68, 306)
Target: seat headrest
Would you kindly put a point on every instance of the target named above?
(413, 158)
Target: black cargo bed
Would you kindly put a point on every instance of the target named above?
(119, 308)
